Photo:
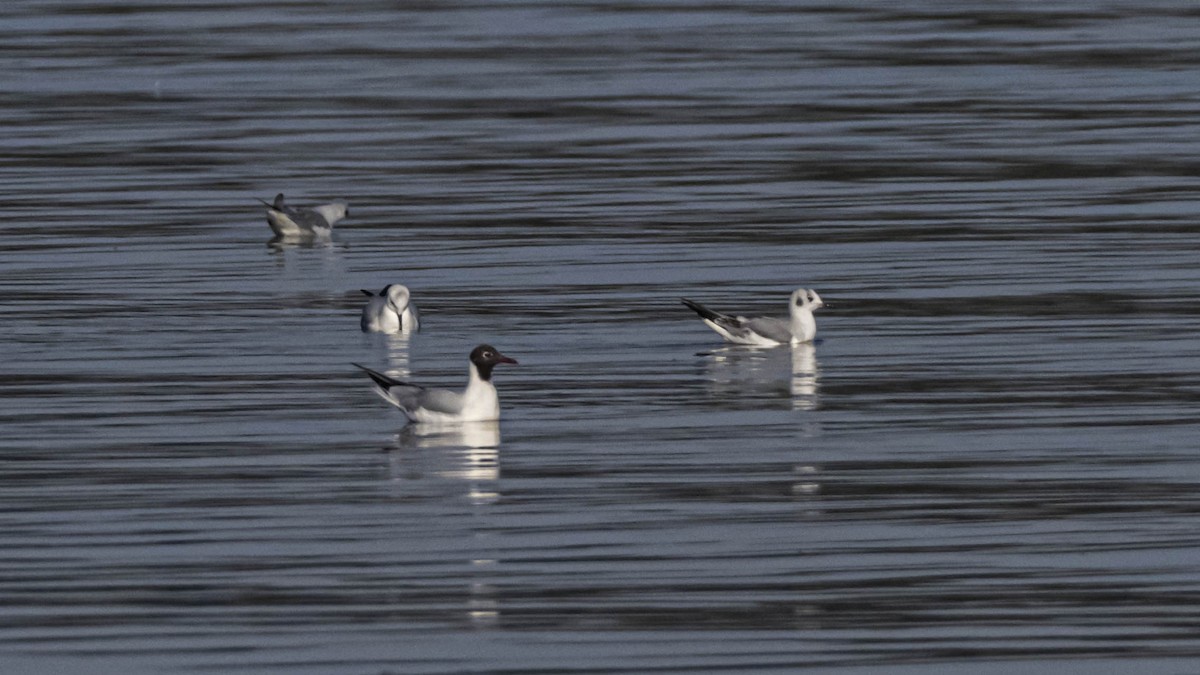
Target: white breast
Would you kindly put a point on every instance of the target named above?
(378, 317)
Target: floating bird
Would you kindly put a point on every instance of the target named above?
(477, 403)
(763, 331)
(391, 311)
(290, 221)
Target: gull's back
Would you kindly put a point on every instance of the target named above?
(772, 329)
(290, 221)
(440, 401)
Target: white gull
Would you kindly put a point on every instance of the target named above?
(801, 326)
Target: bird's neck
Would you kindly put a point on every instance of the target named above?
(804, 325)
(478, 377)
(481, 400)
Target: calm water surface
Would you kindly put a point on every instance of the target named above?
(988, 462)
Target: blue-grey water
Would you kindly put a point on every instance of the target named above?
(988, 463)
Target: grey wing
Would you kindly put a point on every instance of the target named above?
(400, 394)
(287, 221)
(440, 400)
(416, 316)
(772, 329)
(403, 396)
(307, 218)
(370, 311)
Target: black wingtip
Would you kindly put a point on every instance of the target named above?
(700, 309)
(369, 294)
(377, 377)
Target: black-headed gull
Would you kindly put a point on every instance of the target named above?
(477, 403)
(390, 311)
(764, 331)
(316, 221)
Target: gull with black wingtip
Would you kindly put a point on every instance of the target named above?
(303, 222)
(390, 311)
(801, 327)
(479, 402)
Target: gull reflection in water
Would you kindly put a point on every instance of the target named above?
(791, 372)
(806, 377)
(280, 246)
(397, 354)
(483, 609)
(302, 263)
(806, 487)
(466, 451)
(451, 456)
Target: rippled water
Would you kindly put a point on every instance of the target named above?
(987, 463)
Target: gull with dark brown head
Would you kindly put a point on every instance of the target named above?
(479, 402)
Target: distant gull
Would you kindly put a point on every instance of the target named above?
(291, 222)
(479, 402)
(763, 331)
(391, 311)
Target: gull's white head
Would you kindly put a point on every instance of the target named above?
(804, 324)
(397, 297)
(807, 298)
(333, 212)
